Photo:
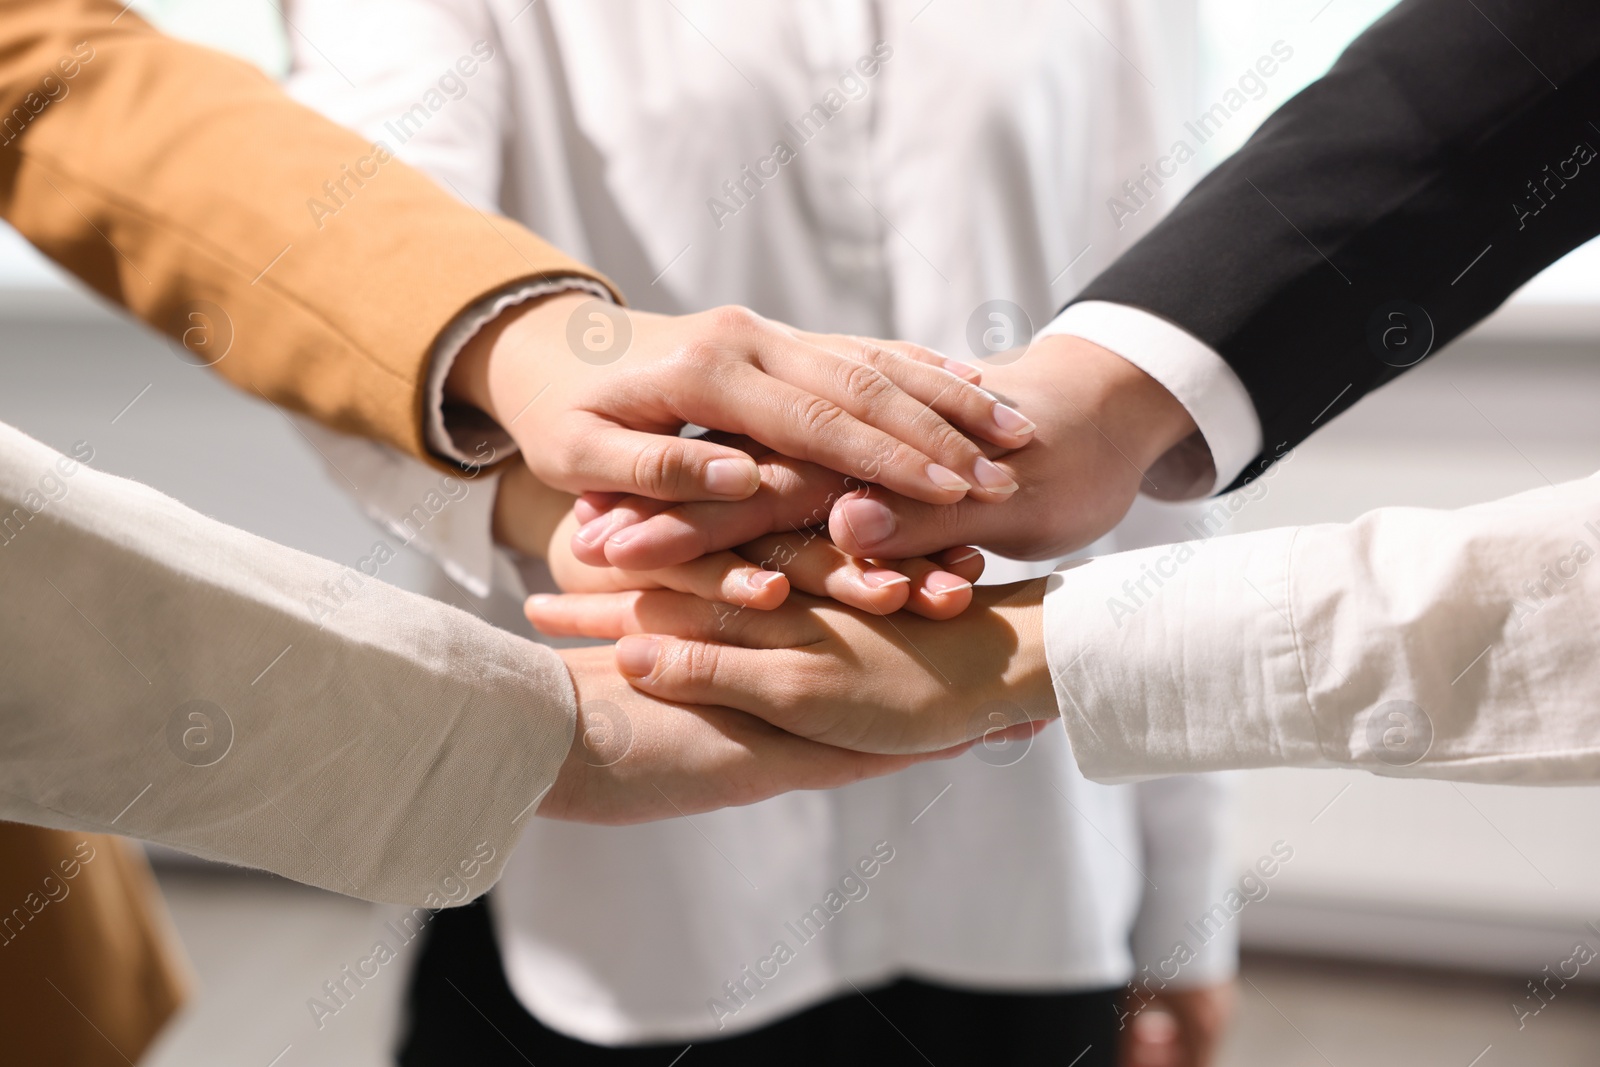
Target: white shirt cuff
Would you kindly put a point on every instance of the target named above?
(1189, 369)
(462, 433)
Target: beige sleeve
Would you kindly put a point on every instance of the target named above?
(174, 679)
(1432, 644)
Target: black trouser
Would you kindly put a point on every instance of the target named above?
(462, 1011)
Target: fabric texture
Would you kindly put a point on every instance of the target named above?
(160, 174)
(614, 129)
(906, 1021)
(181, 681)
(1441, 163)
(1411, 642)
(1200, 379)
(90, 969)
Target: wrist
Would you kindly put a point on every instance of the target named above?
(528, 513)
(1138, 414)
(489, 370)
(1026, 678)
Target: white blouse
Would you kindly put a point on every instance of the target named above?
(881, 167)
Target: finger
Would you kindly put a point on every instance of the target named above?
(794, 495)
(609, 616)
(934, 593)
(886, 526)
(813, 565)
(663, 467)
(765, 681)
(591, 506)
(952, 396)
(966, 371)
(724, 577)
(588, 540)
(964, 560)
(805, 422)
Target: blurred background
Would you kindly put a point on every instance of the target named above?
(1413, 916)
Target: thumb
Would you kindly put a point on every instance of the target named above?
(880, 525)
(659, 466)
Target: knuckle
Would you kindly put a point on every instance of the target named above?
(875, 355)
(867, 382)
(658, 469)
(815, 415)
(732, 318)
(697, 664)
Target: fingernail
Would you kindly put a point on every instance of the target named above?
(991, 477)
(963, 557)
(939, 583)
(964, 370)
(590, 533)
(539, 600)
(623, 536)
(732, 477)
(883, 579)
(870, 523)
(1012, 421)
(636, 654)
(945, 478)
(761, 579)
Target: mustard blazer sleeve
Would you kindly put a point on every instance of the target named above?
(184, 185)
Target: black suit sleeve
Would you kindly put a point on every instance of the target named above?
(1450, 154)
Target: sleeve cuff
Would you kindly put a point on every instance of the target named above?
(1189, 369)
(1180, 658)
(458, 432)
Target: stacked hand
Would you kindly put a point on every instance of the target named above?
(791, 599)
(1101, 429)
(795, 590)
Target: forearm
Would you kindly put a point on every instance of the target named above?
(350, 735)
(158, 174)
(1404, 643)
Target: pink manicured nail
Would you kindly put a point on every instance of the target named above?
(942, 583)
(636, 654)
(987, 474)
(868, 521)
(1012, 421)
(539, 600)
(945, 478)
(963, 557)
(761, 579)
(883, 579)
(964, 370)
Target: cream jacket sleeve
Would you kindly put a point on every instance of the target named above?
(174, 679)
(1432, 644)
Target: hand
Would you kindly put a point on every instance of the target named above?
(827, 672)
(847, 403)
(540, 522)
(1179, 1028)
(1105, 431)
(635, 758)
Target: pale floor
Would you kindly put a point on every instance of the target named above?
(261, 947)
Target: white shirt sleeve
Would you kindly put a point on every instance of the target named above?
(1416, 643)
(178, 680)
(1189, 369)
